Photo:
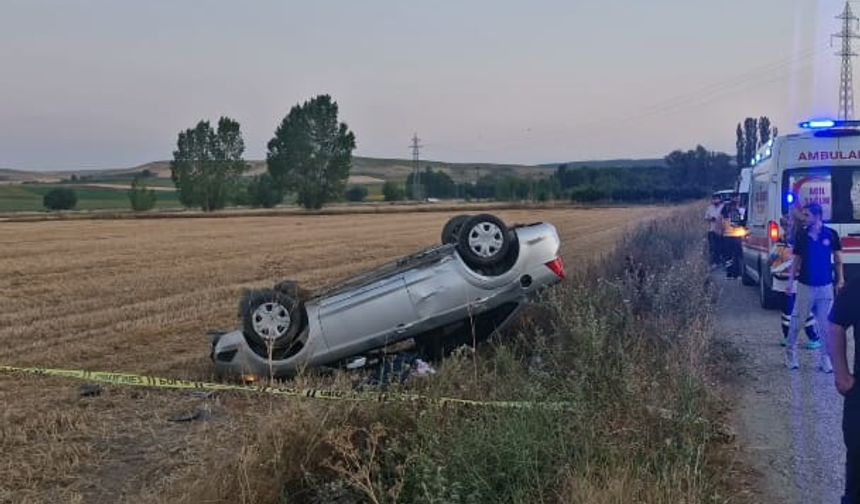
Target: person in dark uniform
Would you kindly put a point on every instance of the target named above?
(780, 261)
(817, 253)
(846, 315)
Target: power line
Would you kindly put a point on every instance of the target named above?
(767, 73)
(740, 79)
(762, 75)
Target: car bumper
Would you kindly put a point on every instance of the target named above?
(233, 356)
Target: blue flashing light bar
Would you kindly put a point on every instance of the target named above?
(790, 198)
(818, 124)
(829, 123)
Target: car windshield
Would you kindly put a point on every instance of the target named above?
(837, 190)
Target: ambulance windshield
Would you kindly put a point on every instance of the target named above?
(837, 190)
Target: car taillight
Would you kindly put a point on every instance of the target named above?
(557, 267)
(773, 231)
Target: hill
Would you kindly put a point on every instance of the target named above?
(365, 170)
(613, 163)
(8, 175)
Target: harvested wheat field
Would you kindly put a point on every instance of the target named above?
(138, 296)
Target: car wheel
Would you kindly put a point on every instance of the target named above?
(768, 299)
(484, 240)
(451, 230)
(270, 318)
(746, 279)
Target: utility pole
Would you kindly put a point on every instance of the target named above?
(416, 168)
(846, 85)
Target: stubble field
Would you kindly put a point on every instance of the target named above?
(139, 295)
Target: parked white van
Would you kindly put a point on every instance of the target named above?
(820, 165)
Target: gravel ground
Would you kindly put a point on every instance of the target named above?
(788, 423)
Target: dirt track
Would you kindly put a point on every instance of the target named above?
(789, 423)
(138, 296)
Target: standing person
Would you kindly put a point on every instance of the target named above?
(733, 233)
(845, 315)
(815, 252)
(715, 228)
(780, 262)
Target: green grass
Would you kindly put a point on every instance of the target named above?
(28, 198)
(159, 182)
(150, 182)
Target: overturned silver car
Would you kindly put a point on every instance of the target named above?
(465, 289)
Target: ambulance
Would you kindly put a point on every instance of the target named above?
(820, 165)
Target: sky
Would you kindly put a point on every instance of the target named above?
(110, 83)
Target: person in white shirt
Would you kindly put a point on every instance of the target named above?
(714, 216)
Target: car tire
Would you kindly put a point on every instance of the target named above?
(768, 299)
(484, 240)
(451, 230)
(746, 279)
(270, 318)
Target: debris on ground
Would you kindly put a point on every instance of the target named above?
(422, 368)
(197, 414)
(396, 368)
(90, 390)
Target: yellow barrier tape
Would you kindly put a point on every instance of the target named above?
(135, 380)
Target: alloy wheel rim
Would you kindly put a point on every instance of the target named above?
(485, 239)
(271, 320)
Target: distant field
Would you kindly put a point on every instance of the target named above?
(28, 198)
(112, 193)
(149, 181)
(112, 196)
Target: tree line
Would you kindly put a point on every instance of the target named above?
(751, 134)
(684, 175)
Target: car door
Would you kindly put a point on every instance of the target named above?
(439, 292)
(757, 244)
(367, 317)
